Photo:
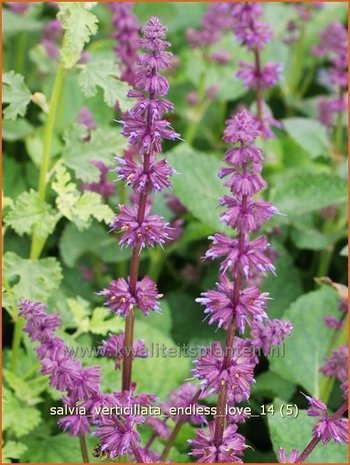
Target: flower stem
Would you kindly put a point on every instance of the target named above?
(198, 111)
(134, 271)
(171, 440)
(83, 448)
(314, 441)
(16, 342)
(37, 242)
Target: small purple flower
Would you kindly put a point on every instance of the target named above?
(126, 32)
(103, 187)
(74, 424)
(181, 398)
(283, 457)
(250, 306)
(192, 98)
(250, 256)
(269, 75)
(327, 428)
(238, 375)
(53, 30)
(230, 450)
(337, 364)
(156, 179)
(254, 35)
(333, 322)
(86, 118)
(114, 347)
(269, 333)
(121, 302)
(20, 8)
(221, 57)
(159, 427)
(153, 229)
(242, 128)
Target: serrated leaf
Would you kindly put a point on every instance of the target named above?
(103, 145)
(16, 94)
(270, 385)
(295, 433)
(305, 349)
(12, 450)
(309, 134)
(302, 192)
(13, 410)
(102, 322)
(78, 208)
(27, 391)
(202, 198)
(80, 309)
(79, 25)
(36, 278)
(29, 212)
(105, 74)
(96, 240)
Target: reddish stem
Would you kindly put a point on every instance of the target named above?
(314, 441)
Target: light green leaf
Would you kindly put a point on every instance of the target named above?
(14, 23)
(29, 212)
(103, 145)
(102, 322)
(202, 198)
(16, 94)
(296, 433)
(159, 372)
(60, 448)
(309, 134)
(13, 410)
(105, 74)
(16, 130)
(80, 309)
(269, 384)
(36, 278)
(95, 240)
(12, 450)
(305, 349)
(27, 391)
(77, 207)
(284, 287)
(304, 192)
(79, 25)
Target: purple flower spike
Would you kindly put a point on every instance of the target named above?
(182, 397)
(121, 302)
(337, 364)
(125, 32)
(270, 333)
(114, 347)
(326, 427)
(283, 457)
(230, 450)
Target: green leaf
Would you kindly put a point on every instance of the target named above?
(60, 448)
(102, 322)
(79, 25)
(163, 370)
(304, 192)
(27, 391)
(305, 349)
(95, 240)
(16, 130)
(102, 146)
(14, 23)
(16, 94)
(105, 74)
(202, 198)
(270, 385)
(296, 433)
(15, 410)
(36, 278)
(309, 134)
(12, 450)
(77, 207)
(80, 309)
(29, 212)
(284, 287)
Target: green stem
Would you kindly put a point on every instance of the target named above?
(297, 62)
(37, 242)
(307, 80)
(157, 259)
(339, 133)
(16, 342)
(21, 43)
(83, 448)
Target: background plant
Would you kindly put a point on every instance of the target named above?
(57, 248)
